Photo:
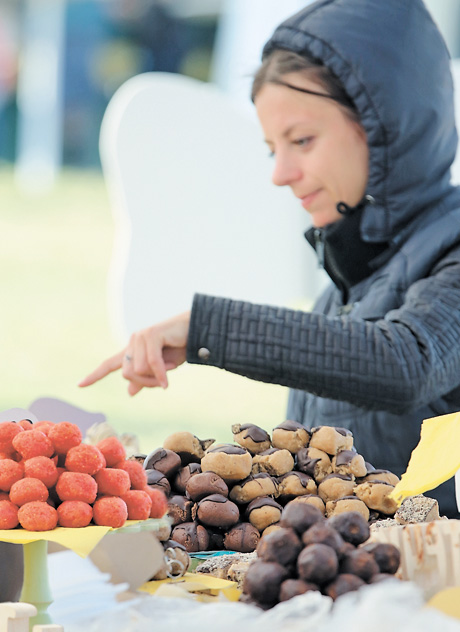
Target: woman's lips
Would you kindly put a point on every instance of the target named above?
(308, 199)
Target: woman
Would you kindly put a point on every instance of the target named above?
(356, 102)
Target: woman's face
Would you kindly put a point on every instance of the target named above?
(318, 150)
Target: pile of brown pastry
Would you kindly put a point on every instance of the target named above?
(227, 496)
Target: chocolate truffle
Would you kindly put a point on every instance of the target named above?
(346, 504)
(179, 509)
(188, 446)
(243, 537)
(205, 484)
(292, 587)
(295, 484)
(282, 546)
(314, 462)
(263, 580)
(251, 437)
(254, 486)
(352, 527)
(336, 486)
(217, 511)
(157, 480)
(342, 584)
(274, 461)
(331, 439)
(387, 556)
(192, 536)
(350, 463)
(359, 562)
(290, 435)
(262, 512)
(323, 533)
(163, 460)
(300, 516)
(232, 462)
(182, 476)
(317, 564)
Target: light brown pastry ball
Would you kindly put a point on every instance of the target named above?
(347, 503)
(384, 476)
(254, 486)
(290, 435)
(295, 484)
(274, 461)
(232, 462)
(336, 486)
(311, 499)
(187, 446)
(251, 437)
(262, 512)
(376, 495)
(314, 462)
(270, 528)
(350, 463)
(331, 439)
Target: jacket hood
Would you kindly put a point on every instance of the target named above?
(395, 66)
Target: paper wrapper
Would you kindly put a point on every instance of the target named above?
(430, 553)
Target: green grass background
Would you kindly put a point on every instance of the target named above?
(54, 326)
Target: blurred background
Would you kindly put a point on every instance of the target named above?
(61, 62)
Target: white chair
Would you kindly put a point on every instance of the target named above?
(188, 175)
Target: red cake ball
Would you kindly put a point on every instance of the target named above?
(74, 514)
(44, 426)
(76, 486)
(8, 515)
(113, 450)
(10, 472)
(136, 472)
(139, 504)
(26, 424)
(85, 458)
(110, 511)
(159, 502)
(33, 443)
(37, 516)
(4, 496)
(43, 468)
(27, 490)
(65, 435)
(112, 481)
(8, 430)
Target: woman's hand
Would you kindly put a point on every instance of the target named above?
(149, 355)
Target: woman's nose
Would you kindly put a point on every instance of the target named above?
(285, 172)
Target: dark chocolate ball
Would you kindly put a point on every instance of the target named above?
(342, 584)
(282, 546)
(192, 536)
(205, 484)
(163, 460)
(352, 526)
(217, 511)
(293, 587)
(263, 580)
(317, 564)
(183, 475)
(300, 516)
(157, 480)
(387, 556)
(360, 563)
(179, 509)
(243, 537)
(323, 533)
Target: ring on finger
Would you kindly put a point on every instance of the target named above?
(128, 357)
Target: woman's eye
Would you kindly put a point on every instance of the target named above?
(303, 142)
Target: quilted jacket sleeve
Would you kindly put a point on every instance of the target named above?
(399, 363)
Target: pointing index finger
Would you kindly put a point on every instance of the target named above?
(108, 366)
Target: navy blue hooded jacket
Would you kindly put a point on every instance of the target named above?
(383, 356)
